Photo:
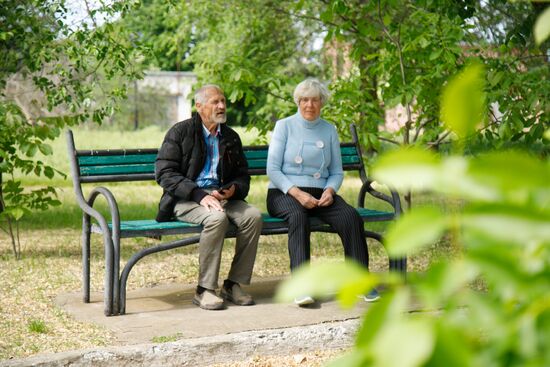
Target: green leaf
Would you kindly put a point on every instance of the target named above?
(46, 149)
(49, 172)
(415, 339)
(414, 230)
(29, 149)
(501, 264)
(356, 358)
(320, 280)
(508, 223)
(406, 168)
(453, 179)
(450, 349)
(15, 213)
(542, 27)
(234, 95)
(390, 307)
(353, 288)
(510, 172)
(435, 54)
(463, 101)
(443, 280)
(495, 77)
(237, 75)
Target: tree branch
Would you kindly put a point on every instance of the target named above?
(402, 68)
(301, 16)
(89, 11)
(389, 140)
(420, 127)
(440, 139)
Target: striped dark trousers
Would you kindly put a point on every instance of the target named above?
(341, 216)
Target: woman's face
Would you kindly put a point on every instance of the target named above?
(310, 107)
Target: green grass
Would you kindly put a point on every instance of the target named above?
(38, 326)
(166, 338)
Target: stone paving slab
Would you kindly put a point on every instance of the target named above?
(167, 310)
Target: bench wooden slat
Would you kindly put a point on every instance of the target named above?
(344, 150)
(118, 169)
(116, 159)
(256, 154)
(151, 224)
(349, 159)
(136, 163)
(257, 163)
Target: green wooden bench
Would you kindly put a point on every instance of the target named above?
(116, 165)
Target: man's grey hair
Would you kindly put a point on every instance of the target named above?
(200, 95)
(311, 87)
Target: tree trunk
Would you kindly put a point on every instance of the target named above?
(1, 195)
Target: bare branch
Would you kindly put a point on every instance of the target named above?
(89, 11)
(420, 127)
(397, 43)
(440, 139)
(389, 140)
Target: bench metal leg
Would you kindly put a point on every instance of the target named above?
(399, 265)
(86, 258)
(109, 268)
(141, 254)
(116, 271)
(109, 275)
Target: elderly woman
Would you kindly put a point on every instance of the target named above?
(304, 166)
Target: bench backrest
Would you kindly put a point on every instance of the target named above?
(116, 165)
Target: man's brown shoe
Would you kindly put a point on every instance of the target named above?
(237, 296)
(208, 300)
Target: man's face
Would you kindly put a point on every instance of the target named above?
(213, 110)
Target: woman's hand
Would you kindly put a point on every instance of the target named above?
(327, 198)
(305, 199)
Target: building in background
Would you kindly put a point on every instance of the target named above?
(176, 86)
(171, 91)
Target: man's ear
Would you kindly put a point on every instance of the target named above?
(197, 106)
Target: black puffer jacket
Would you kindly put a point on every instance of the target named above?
(181, 158)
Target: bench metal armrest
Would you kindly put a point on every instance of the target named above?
(111, 251)
(113, 209)
(394, 200)
(111, 239)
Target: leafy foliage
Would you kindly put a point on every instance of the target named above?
(234, 44)
(165, 29)
(377, 55)
(50, 76)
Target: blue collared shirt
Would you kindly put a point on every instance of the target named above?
(209, 174)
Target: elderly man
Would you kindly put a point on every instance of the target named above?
(203, 172)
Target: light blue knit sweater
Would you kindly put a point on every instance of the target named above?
(304, 154)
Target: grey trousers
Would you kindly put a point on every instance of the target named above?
(248, 221)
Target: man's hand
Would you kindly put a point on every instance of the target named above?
(210, 202)
(327, 198)
(305, 199)
(224, 194)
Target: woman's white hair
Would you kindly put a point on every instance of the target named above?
(311, 87)
(200, 95)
